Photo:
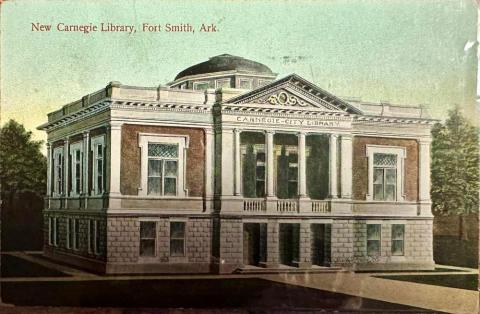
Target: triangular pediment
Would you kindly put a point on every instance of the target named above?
(294, 91)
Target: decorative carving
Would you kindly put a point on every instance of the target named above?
(285, 99)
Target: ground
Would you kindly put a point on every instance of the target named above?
(29, 281)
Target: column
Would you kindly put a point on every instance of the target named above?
(238, 168)
(115, 144)
(209, 157)
(86, 151)
(346, 162)
(424, 171)
(227, 162)
(302, 166)
(49, 169)
(333, 166)
(66, 166)
(270, 158)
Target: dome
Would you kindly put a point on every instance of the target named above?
(225, 62)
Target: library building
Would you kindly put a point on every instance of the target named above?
(230, 169)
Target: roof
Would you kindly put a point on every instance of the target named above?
(225, 62)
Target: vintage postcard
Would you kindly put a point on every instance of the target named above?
(239, 156)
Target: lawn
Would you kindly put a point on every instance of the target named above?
(467, 281)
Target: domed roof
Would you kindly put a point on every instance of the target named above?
(225, 62)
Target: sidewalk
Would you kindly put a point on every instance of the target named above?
(432, 297)
(363, 285)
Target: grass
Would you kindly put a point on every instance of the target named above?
(468, 282)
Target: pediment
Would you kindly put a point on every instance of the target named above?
(294, 91)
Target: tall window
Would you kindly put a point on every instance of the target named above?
(163, 165)
(76, 157)
(384, 176)
(385, 172)
(98, 149)
(373, 239)
(76, 234)
(177, 238)
(70, 233)
(398, 239)
(162, 169)
(51, 230)
(93, 237)
(286, 165)
(148, 231)
(58, 171)
(56, 229)
(252, 149)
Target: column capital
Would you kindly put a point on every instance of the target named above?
(48, 144)
(346, 137)
(303, 133)
(209, 131)
(86, 134)
(333, 135)
(114, 125)
(237, 131)
(424, 140)
(66, 140)
(270, 131)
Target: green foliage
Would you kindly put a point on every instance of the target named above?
(23, 168)
(455, 166)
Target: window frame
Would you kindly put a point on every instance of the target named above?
(76, 190)
(218, 83)
(249, 81)
(184, 239)
(263, 82)
(58, 182)
(94, 143)
(196, 84)
(379, 240)
(402, 239)
(155, 239)
(69, 242)
(93, 236)
(182, 141)
(401, 154)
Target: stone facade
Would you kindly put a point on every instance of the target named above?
(182, 207)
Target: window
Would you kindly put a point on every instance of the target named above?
(177, 238)
(384, 176)
(98, 171)
(56, 228)
(51, 230)
(398, 239)
(58, 183)
(245, 84)
(93, 237)
(162, 169)
(76, 156)
(373, 239)
(76, 234)
(148, 238)
(252, 148)
(222, 83)
(200, 85)
(263, 82)
(70, 233)
(163, 160)
(385, 173)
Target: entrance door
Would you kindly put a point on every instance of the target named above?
(320, 245)
(254, 243)
(289, 241)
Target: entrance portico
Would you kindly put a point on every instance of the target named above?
(292, 148)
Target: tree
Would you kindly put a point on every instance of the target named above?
(455, 168)
(22, 165)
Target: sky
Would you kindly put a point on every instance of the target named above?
(403, 51)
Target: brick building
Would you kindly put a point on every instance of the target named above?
(228, 168)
